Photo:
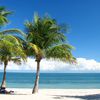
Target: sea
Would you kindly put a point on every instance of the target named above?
(53, 80)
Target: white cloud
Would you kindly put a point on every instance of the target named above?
(83, 65)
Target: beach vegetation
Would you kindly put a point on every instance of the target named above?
(46, 39)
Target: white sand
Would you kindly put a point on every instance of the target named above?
(53, 94)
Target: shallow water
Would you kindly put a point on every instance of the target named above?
(54, 80)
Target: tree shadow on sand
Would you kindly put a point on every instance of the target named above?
(85, 97)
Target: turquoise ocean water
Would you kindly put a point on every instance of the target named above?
(54, 80)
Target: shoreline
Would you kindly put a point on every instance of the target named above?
(53, 94)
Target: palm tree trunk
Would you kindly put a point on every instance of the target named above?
(35, 89)
(3, 85)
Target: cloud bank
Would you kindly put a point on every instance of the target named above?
(83, 65)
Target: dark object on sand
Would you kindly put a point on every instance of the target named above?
(4, 91)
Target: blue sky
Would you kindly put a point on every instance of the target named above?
(83, 17)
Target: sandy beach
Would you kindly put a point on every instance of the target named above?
(53, 94)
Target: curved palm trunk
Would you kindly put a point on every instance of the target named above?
(35, 89)
(3, 85)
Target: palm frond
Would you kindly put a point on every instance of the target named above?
(36, 17)
(13, 31)
(36, 49)
(61, 52)
(16, 60)
(3, 16)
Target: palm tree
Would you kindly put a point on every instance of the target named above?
(10, 45)
(10, 50)
(3, 16)
(46, 39)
